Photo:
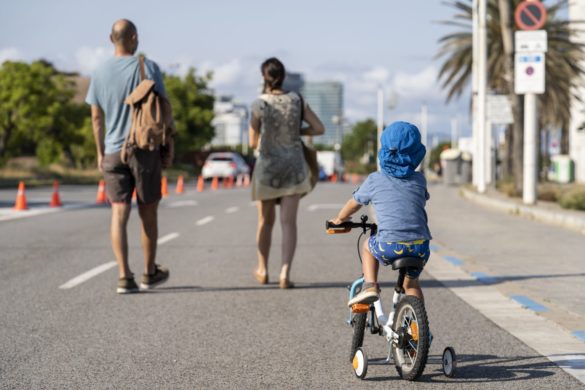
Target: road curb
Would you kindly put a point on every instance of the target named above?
(566, 219)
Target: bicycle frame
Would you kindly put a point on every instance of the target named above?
(384, 321)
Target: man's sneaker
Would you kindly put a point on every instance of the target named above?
(127, 286)
(368, 295)
(160, 276)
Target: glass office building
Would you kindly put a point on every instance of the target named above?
(326, 100)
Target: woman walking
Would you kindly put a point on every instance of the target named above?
(281, 175)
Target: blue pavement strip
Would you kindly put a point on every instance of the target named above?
(453, 260)
(529, 303)
(434, 248)
(484, 278)
(580, 334)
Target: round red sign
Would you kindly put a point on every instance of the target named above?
(530, 15)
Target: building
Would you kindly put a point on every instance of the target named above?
(326, 100)
(230, 122)
(576, 134)
(293, 82)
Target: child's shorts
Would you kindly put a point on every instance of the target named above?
(387, 252)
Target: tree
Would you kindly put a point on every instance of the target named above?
(562, 67)
(37, 113)
(192, 103)
(361, 142)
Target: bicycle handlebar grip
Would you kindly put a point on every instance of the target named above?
(331, 228)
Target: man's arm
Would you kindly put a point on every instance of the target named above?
(97, 122)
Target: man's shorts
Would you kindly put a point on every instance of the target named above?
(387, 252)
(142, 172)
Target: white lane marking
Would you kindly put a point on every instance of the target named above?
(232, 210)
(87, 275)
(566, 351)
(182, 203)
(167, 238)
(8, 214)
(331, 206)
(205, 220)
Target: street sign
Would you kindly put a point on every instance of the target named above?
(499, 110)
(531, 41)
(529, 72)
(530, 15)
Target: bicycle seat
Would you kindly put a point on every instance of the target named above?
(408, 262)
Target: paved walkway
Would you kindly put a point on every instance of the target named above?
(540, 265)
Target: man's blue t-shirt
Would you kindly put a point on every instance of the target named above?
(110, 85)
(399, 204)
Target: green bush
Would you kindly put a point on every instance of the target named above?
(574, 198)
(549, 192)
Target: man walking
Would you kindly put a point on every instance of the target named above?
(110, 84)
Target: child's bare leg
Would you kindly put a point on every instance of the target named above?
(412, 287)
(370, 265)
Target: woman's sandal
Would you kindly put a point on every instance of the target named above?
(285, 283)
(261, 278)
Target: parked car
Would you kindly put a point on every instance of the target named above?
(224, 164)
(330, 163)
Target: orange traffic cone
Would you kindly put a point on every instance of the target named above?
(225, 182)
(20, 198)
(101, 194)
(230, 182)
(134, 194)
(240, 180)
(334, 178)
(246, 180)
(164, 187)
(214, 183)
(180, 185)
(200, 184)
(55, 199)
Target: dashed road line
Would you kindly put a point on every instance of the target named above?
(87, 275)
(182, 203)
(205, 220)
(167, 238)
(231, 210)
(484, 278)
(330, 206)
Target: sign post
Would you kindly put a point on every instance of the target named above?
(529, 80)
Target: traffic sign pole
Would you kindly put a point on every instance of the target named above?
(530, 150)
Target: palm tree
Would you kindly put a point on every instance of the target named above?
(563, 68)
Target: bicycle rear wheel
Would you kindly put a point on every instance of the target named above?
(411, 351)
(358, 322)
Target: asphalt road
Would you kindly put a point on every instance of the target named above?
(211, 326)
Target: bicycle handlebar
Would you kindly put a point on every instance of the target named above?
(345, 227)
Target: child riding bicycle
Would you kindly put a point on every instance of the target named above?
(399, 195)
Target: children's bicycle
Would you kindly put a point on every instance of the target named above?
(406, 329)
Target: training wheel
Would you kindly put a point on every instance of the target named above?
(360, 363)
(449, 362)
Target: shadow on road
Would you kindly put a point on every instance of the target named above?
(488, 368)
(492, 280)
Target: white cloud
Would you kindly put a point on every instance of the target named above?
(421, 85)
(88, 58)
(10, 53)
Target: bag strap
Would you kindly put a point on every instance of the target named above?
(302, 109)
(142, 72)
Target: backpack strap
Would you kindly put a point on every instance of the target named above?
(142, 72)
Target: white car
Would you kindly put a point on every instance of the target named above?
(224, 164)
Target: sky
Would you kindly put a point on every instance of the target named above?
(364, 44)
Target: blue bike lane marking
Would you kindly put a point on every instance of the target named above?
(580, 334)
(484, 278)
(529, 303)
(454, 260)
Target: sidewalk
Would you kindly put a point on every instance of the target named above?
(539, 265)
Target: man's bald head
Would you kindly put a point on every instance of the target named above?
(124, 35)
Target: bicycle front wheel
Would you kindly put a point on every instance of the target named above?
(358, 322)
(411, 351)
